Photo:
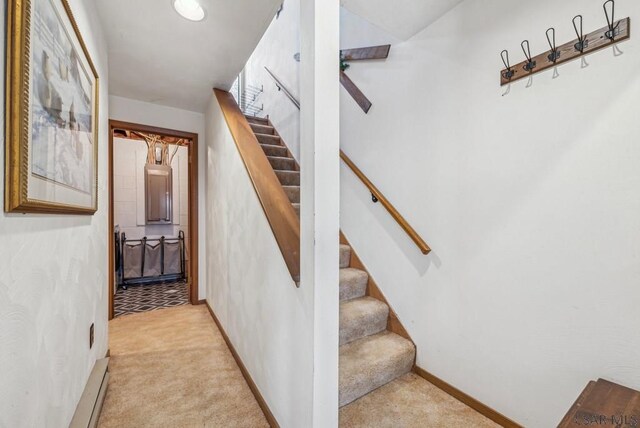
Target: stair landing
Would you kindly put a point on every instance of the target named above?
(411, 402)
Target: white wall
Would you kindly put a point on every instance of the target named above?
(127, 110)
(402, 18)
(358, 33)
(275, 51)
(129, 200)
(268, 320)
(53, 285)
(529, 201)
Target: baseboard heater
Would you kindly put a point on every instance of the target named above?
(88, 410)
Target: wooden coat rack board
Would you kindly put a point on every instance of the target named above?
(594, 41)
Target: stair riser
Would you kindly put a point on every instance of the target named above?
(345, 256)
(282, 164)
(293, 193)
(366, 325)
(277, 151)
(352, 292)
(386, 371)
(352, 287)
(262, 129)
(289, 178)
(257, 120)
(269, 139)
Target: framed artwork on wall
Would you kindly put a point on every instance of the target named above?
(51, 104)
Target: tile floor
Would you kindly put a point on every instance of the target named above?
(144, 298)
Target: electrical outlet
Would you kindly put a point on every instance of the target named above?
(91, 336)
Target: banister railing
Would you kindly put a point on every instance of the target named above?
(280, 214)
(375, 193)
(284, 89)
(377, 196)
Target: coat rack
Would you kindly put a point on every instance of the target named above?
(614, 32)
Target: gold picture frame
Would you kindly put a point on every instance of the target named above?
(51, 112)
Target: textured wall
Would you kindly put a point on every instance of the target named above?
(53, 285)
(268, 320)
(529, 201)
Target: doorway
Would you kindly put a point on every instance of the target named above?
(168, 243)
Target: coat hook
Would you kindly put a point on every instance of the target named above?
(555, 53)
(530, 65)
(583, 43)
(508, 74)
(613, 29)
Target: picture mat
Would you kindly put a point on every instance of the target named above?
(61, 161)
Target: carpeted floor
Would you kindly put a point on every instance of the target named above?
(144, 298)
(410, 402)
(172, 368)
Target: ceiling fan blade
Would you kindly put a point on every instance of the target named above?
(356, 93)
(372, 52)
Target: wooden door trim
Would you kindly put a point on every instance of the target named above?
(193, 203)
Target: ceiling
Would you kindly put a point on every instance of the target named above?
(401, 18)
(157, 56)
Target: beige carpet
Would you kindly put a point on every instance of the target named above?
(410, 402)
(172, 368)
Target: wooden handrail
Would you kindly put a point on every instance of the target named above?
(276, 205)
(379, 197)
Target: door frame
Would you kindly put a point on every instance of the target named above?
(193, 204)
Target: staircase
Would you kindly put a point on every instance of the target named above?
(370, 355)
(281, 159)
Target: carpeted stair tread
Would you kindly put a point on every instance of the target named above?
(257, 120)
(353, 283)
(282, 164)
(296, 207)
(362, 317)
(289, 178)
(271, 150)
(259, 128)
(273, 140)
(345, 256)
(372, 362)
(293, 193)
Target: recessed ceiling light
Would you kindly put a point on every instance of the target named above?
(189, 9)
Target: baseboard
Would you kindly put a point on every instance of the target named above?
(254, 388)
(203, 302)
(90, 404)
(483, 409)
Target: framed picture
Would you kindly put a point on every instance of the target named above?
(51, 112)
